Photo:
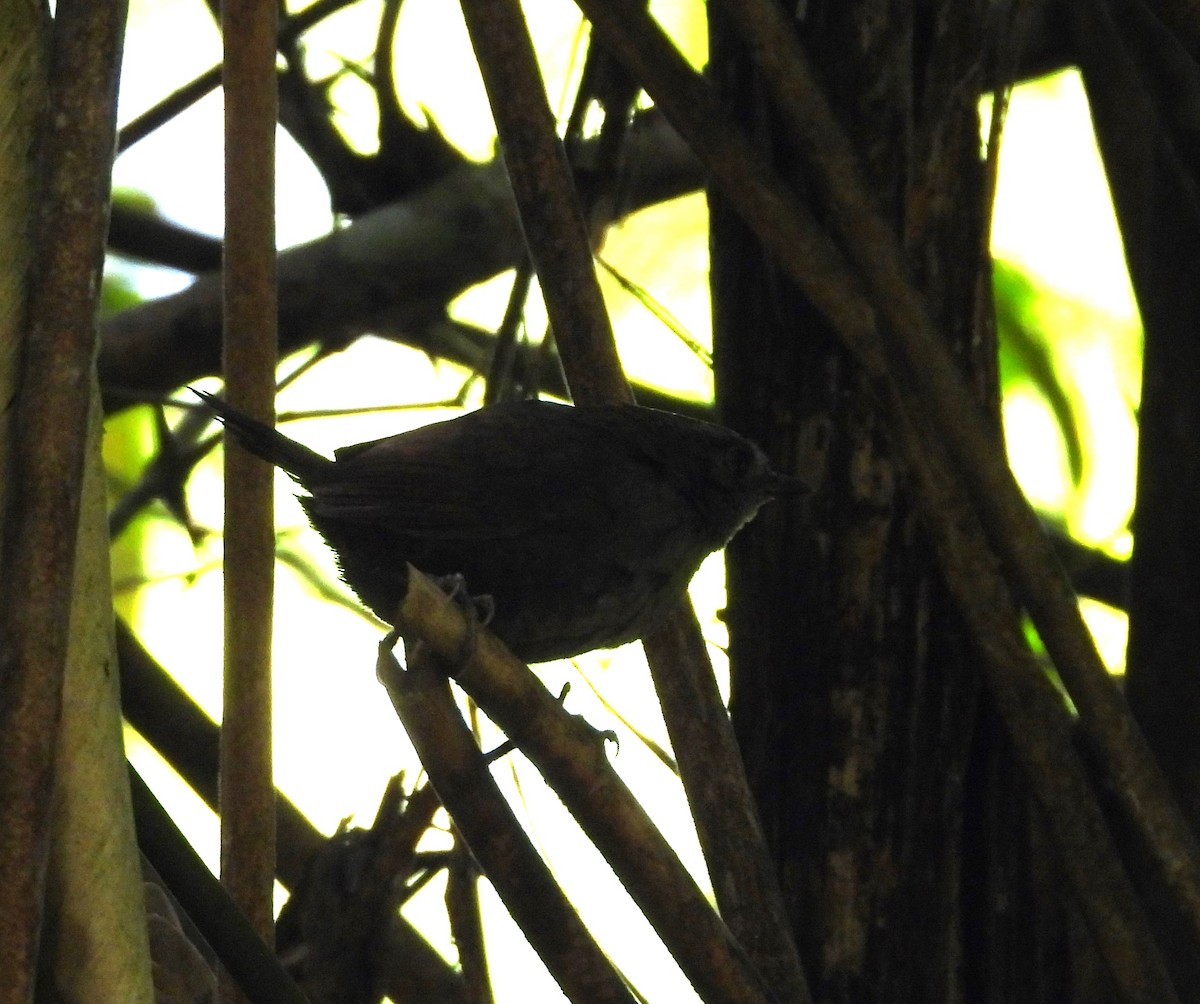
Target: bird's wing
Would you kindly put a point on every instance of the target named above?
(500, 472)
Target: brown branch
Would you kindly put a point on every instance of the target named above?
(466, 921)
(550, 217)
(723, 809)
(232, 938)
(138, 234)
(1138, 78)
(249, 295)
(183, 735)
(567, 753)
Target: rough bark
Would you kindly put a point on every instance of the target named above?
(902, 836)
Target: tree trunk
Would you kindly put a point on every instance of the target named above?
(911, 860)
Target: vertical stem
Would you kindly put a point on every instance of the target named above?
(247, 796)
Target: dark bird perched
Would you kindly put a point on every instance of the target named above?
(583, 524)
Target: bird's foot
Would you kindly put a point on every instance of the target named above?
(476, 609)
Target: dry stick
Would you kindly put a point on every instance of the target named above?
(747, 891)
(247, 793)
(423, 701)
(788, 230)
(44, 482)
(933, 384)
(466, 921)
(569, 755)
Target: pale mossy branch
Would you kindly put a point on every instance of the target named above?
(95, 929)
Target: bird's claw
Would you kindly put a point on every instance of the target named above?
(476, 609)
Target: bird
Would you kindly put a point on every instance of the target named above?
(583, 524)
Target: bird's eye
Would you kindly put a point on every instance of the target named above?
(740, 461)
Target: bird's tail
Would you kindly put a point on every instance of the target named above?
(305, 465)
